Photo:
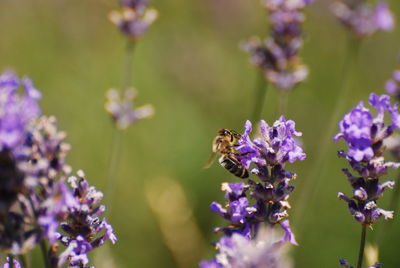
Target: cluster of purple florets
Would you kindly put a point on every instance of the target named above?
(134, 18)
(363, 19)
(36, 203)
(365, 133)
(278, 55)
(252, 205)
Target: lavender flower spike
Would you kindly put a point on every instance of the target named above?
(16, 110)
(250, 205)
(278, 56)
(134, 18)
(365, 133)
(121, 108)
(361, 18)
(239, 252)
(83, 228)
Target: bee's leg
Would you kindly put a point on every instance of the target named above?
(241, 154)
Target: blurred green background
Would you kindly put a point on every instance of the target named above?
(189, 66)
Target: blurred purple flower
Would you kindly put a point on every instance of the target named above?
(135, 4)
(16, 110)
(134, 18)
(393, 85)
(277, 56)
(365, 134)
(15, 263)
(121, 108)
(240, 252)
(363, 19)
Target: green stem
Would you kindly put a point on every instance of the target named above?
(362, 246)
(128, 58)
(261, 92)
(283, 101)
(43, 248)
(113, 167)
(117, 136)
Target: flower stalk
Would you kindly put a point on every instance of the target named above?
(362, 246)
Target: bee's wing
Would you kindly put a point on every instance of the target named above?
(210, 160)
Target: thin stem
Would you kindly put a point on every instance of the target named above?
(362, 246)
(128, 59)
(261, 92)
(43, 249)
(10, 260)
(117, 136)
(113, 167)
(311, 182)
(283, 101)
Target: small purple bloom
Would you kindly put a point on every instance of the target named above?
(134, 18)
(122, 111)
(383, 17)
(393, 85)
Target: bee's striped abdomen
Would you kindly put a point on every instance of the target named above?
(233, 166)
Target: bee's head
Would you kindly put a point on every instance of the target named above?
(224, 132)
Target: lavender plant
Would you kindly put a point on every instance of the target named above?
(277, 57)
(133, 20)
(254, 204)
(365, 133)
(363, 19)
(36, 205)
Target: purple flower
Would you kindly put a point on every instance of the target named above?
(240, 252)
(134, 18)
(122, 111)
(83, 228)
(16, 110)
(363, 19)
(266, 202)
(275, 146)
(135, 4)
(365, 133)
(277, 57)
(393, 85)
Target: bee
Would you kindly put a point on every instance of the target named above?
(224, 144)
